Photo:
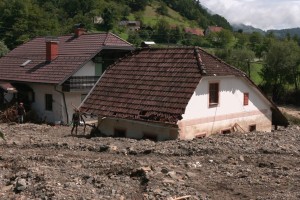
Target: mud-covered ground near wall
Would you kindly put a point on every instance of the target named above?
(46, 162)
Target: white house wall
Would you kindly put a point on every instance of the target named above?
(38, 105)
(58, 113)
(200, 119)
(87, 70)
(136, 129)
(73, 99)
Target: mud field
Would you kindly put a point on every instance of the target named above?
(46, 162)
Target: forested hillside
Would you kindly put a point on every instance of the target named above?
(22, 20)
(272, 63)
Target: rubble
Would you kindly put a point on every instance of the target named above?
(46, 162)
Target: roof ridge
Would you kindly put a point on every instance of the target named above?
(199, 61)
(114, 35)
(222, 61)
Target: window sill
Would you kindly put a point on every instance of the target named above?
(213, 105)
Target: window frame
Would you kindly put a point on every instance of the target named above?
(48, 102)
(252, 128)
(246, 99)
(216, 93)
(120, 132)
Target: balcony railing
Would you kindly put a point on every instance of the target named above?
(79, 83)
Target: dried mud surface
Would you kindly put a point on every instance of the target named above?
(44, 162)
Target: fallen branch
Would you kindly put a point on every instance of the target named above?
(183, 197)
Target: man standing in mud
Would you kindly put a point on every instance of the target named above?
(21, 112)
(76, 120)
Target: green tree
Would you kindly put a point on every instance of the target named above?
(256, 43)
(162, 9)
(282, 67)
(241, 40)
(162, 31)
(134, 38)
(225, 38)
(242, 58)
(137, 5)
(109, 16)
(3, 49)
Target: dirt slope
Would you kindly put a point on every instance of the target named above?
(43, 162)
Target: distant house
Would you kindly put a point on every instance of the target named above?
(51, 74)
(194, 31)
(131, 25)
(98, 20)
(184, 92)
(213, 29)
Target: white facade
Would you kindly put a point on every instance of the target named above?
(200, 119)
(39, 104)
(87, 70)
(63, 102)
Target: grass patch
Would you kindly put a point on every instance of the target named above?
(255, 70)
(150, 17)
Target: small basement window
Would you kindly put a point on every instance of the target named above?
(252, 128)
(119, 132)
(226, 131)
(150, 136)
(213, 94)
(246, 99)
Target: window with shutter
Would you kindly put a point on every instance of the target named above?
(246, 99)
(213, 94)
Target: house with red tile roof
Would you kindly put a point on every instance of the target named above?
(194, 31)
(130, 25)
(51, 75)
(179, 92)
(213, 29)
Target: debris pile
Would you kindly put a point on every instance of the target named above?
(46, 162)
(9, 114)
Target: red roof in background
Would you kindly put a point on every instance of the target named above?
(215, 28)
(73, 53)
(195, 31)
(153, 84)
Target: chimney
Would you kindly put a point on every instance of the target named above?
(51, 49)
(79, 32)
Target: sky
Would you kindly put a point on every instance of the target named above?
(263, 14)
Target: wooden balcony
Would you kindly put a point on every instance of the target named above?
(79, 83)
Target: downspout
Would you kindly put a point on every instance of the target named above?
(65, 104)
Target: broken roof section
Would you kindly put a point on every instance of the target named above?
(154, 84)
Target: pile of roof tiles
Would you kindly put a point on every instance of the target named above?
(8, 115)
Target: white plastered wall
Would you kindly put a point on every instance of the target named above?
(72, 99)
(87, 70)
(59, 111)
(199, 118)
(136, 129)
(40, 90)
